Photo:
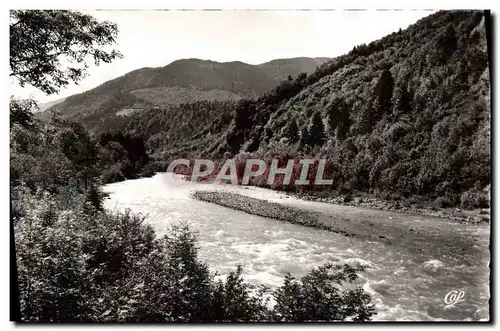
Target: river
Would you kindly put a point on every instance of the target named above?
(406, 284)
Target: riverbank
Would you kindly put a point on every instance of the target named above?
(471, 216)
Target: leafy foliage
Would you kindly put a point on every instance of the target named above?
(41, 40)
(320, 297)
(49, 157)
(338, 119)
(316, 131)
(123, 156)
(20, 112)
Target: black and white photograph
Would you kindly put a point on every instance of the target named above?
(250, 166)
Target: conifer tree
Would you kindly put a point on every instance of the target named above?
(292, 132)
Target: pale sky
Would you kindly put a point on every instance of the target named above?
(156, 38)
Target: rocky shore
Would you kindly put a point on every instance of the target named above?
(476, 216)
(266, 209)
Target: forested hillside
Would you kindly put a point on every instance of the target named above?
(181, 81)
(405, 116)
(75, 261)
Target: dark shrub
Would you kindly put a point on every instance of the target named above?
(112, 175)
(443, 202)
(474, 199)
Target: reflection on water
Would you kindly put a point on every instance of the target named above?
(403, 285)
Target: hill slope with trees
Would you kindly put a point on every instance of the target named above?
(405, 116)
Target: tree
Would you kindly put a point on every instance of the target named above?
(379, 104)
(338, 118)
(41, 41)
(242, 114)
(316, 130)
(304, 137)
(446, 43)
(320, 297)
(20, 112)
(401, 100)
(77, 145)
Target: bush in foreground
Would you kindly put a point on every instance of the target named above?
(88, 265)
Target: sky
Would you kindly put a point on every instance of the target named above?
(157, 38)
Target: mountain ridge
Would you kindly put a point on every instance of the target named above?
(237, 80)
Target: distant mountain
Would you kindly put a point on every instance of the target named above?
(181, 81)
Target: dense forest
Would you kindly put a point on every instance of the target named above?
(404, 117)
(74, 261)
